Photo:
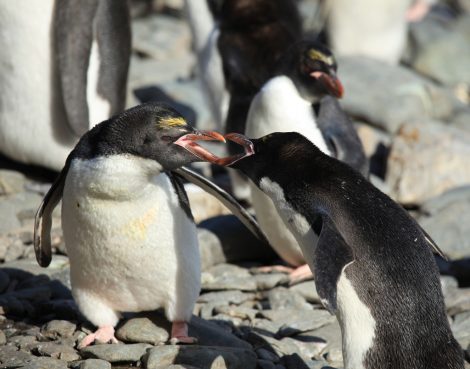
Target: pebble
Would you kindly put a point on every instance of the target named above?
(58, 328)
(308, 291)
(45, 362)
(3, 338)
(142, 330)
(94, 364)
(283, 298)
(115, 353)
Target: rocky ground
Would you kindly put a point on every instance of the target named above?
(414, 121)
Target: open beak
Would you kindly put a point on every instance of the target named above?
(331, 83)
(241, 140)
(188, 142)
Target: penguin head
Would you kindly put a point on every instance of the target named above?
(312, 67)
(276, 156)
(151, 131)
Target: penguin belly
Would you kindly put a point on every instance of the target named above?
(131, 246)
(278, 107)
(33, 124)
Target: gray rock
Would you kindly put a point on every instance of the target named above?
(308, 347)
(458, 301)
(58, 328)
(284, 298)
(204, 357)
(142, 330)
(15, 250)
(271, 280)
(278, 347)
(11, 357)
(330, 333)
(203, 205)
(11, 182)
(94, 364)
(225, 283)
(445, 218)
(308, 291)
(11, 205)
(58, 265)
(426, 160)
(433, 59)
(116, 352)
(4, 281)
(388, 96)
(237, 312)
(45, 362)
(25, 343)
(232, 297)
(228, 270)
(57, 351)
(3, 338)
(210, 248)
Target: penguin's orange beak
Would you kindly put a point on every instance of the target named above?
(188, 142)
(241, 140)
(331, 83)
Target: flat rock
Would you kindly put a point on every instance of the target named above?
(94, 364)
(11, 205)
(331, 334)
(58, 328)
(232, 297)
(270, 280)
(224, 283)
(3, 338)
(388, 96)
(203, 205)
(308, 291)
(116, 352)
(11, 357)
(57, 351)
(45, 362)
(426, 160)
(461, 328)
(445, 218)
(142, 330)
(203, 357)
(284, 298)
(11, 182)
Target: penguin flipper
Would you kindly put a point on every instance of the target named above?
(435, 249)
(330, 256)
(43, 221)
(340, 135)
(225, 198)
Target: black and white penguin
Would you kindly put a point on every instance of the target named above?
(63, 68)
(302, 98)
(373, 264)
(127, 225)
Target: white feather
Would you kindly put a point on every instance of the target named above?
(131, 246)
(278, 107)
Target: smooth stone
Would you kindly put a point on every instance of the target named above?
(233, 243)
(11, 182)
(58, 264)
(271, 280)
(24, 343)
(446, 217)
(308, 291)
(58, 328)
(278, 347)
(228, 270)
(225, 283)
(57, 351)
(203, 205)
(330, 333)
(458, 301)
(267, 325)
(142, 330)
(461, 328)
(11, 357)
(231, 297)
(11, 205)
(94, 364)
(308, 347)
(237, 312)
(284, 298)
(388, 96)
(3, 338)
(45, 362)
(116, 352)
(204, 357)
(296, 321)
(426, 160)
(15, 250)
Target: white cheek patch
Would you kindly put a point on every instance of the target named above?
(295, 221)
(357, 323)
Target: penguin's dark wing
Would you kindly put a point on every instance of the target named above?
(181, 193)
(436, 249)
(77, 24)
(330, 256)
(43, 220)
(225, 198)
(340, 135)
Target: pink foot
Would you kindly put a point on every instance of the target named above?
(275, 268)
(417, 11)
(179, 333)
(300, 274)
(102, 334)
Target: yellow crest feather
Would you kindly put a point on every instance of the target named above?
(317, 55)
(172, 122)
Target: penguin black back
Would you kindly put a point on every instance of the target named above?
(388, 296)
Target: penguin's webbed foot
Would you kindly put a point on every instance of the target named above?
(103, 334)
(179, 334)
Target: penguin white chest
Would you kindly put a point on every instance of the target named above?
(128, 239)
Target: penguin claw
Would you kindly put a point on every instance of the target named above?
(103, 334)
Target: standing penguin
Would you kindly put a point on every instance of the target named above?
(127, 225)
(373, 264)
(287, 103)
(69, 61)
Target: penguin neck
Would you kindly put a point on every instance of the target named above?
(280, 107)
(121, 176)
